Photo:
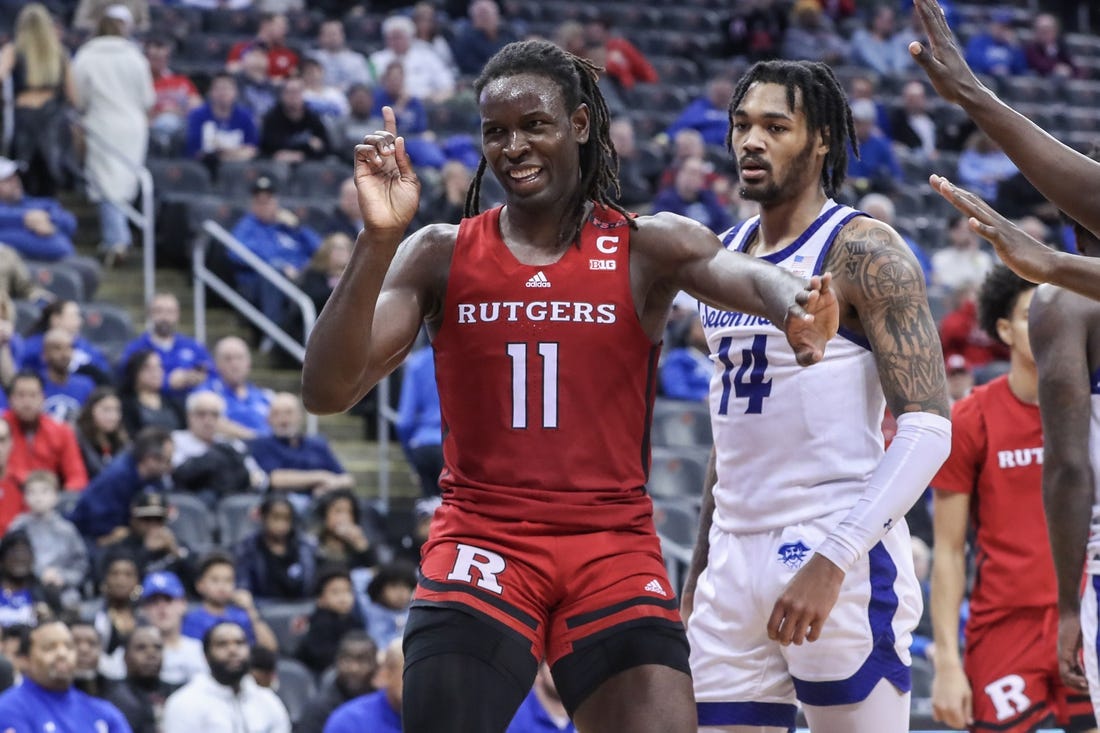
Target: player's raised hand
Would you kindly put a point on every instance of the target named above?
(1024, 255)
(941, 60)
(1069, 652)
(814, 321)
(389, 191)
(952, 699)
(800, 612)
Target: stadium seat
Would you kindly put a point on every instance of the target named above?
(678, 423)
(676, 474)
(234, 21)
(235, 178)
(106, 324)
(660, 97)
(289, 620)
(59, 279)
(296, 686)
(179, 176)
(320, 179)
(673, 70)
(191, 521)
(237, 518)
(26, 315)
(676, 523)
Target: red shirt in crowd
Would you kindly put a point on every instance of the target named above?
(53, 447)
(281, 61)
(174, 93)
(961, 333)
(627, 65)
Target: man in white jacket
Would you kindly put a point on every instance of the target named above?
(227, 700)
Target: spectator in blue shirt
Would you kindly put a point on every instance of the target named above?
(476, 40)
(87, 359)
(412, 116)
(542, 711)
(246, 405)
(66, 392)
(378, 712)
(983, 165)
(221, 129)
(37, 228)
(876, 168)
(419, 425)
(293, 461)
(47, 700)
(690, 197)
(709, 113)
(186, 362)
(876, 47)
(997, 51)
(686, 370)
(222, 601)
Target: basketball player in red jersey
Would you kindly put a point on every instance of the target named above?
(546, 317)
(993, 479)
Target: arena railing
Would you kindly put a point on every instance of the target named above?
(8, 130)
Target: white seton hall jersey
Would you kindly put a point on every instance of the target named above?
(793, 443)
(1093, 556)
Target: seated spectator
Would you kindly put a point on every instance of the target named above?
(409, 547)
(687, 369)
(386, 606)
(223, 602)
(378, 712)
(185, 362)
(866, 87)
(291, 132)
(326, 100)
(876, 48)
(690, 197)
(881, 207)
(961, 334)
(633, 179)
(625, 63)
(163, 603)
(176, 94)
(228, 693)
(709, 113)
(295, 462)
(340, 538)
(117, 617)
(687, 143)
(142, 694)
(87, 359)
(207, 464)
(143, 403)
(448, 204)
(964, 263)
(271, 37)
(60, 557)
(983, 165)
(342, 66)
(754, 30)
(11, 495)
(66, 391)
(11, 343)
(910, 124)
(24, 599)
(360, 120)
(277, 561)
(411, 116)
(221, 129)
(277, 237)
(246, 405)
(355, 666)
(1047, 54)
(875, 169)
(346, 217)
(150, 541)
(811, 36)
(39, 442)
(263, 667)
(418, 424)
(89, 12)
(960, 377)
(542, 710)
(430, 24)
(995, 49)
(15, 278)
(333, 617)
(37, 228)
(427, 76)
(324, 270)
(258, 93)
(103, 512)
(477, 39)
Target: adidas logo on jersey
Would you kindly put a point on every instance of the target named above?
(538, 280)
(654, 586)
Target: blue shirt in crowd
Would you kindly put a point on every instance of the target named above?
(277, 244)
(705, 209)
(418, 417)
(249, 410)
(311, 454)
(31, 708)
(105, 502)
(63, 401)
(198, 621)
(371, 712)
(533, 718)
(876, 160)
(712, 122)
(685, 374)
(208, 134)
(84, 353)
(185, 352)
(987, 55)
(50, 247)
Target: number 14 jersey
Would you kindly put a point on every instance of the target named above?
(793, 443)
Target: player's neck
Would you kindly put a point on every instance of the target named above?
(785, 221)
(1023, 380)
(535, 232)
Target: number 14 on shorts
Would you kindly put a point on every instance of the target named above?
(748, 383)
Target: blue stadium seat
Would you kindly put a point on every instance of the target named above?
(676, 522)
(26, 315)
(191, 521)
(318, 179)
(180, 175)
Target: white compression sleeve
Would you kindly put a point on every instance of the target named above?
(921, 445)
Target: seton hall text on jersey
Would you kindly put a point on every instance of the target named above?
(564, 311)
(714, 318)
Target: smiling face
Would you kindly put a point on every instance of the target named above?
(530, 140)
(777, 157)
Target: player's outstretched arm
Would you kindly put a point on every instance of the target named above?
(1058, 328)
(373, 315)
(1028, 258)
(1064, 176)
(701, 552)
(952, 699)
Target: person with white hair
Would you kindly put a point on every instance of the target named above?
(427, 76)
(881, 207)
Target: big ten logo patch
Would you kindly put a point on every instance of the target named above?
(1007, 695)
(485, 563)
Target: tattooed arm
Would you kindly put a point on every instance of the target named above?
(882, 289)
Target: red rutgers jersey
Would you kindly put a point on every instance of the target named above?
(546, 380)
(997, 458)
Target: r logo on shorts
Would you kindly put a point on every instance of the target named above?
(488, 565)
(1008, 696)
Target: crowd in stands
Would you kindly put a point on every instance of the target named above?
(171, 510)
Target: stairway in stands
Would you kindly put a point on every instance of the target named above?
(123, 286)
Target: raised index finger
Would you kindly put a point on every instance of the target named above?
(389, 120)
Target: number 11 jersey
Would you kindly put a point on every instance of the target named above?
(793, 443)
(546, 380)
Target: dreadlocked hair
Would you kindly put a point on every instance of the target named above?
(997, 297)
(576, 78)
(823, 103)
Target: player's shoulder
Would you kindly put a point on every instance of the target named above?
(867, 249)
(873, 235)
(668, 236)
